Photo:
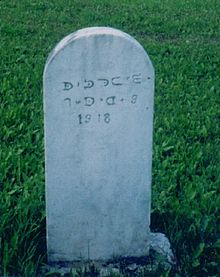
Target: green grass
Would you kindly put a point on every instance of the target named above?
(182, 39)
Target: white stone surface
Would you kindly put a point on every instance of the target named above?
(98, 104)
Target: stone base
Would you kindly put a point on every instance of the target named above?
(159, 260)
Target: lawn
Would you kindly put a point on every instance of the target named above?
(182, 39)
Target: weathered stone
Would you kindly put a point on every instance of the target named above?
(98, 103)
(161, 245)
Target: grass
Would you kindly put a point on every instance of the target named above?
(182, 39)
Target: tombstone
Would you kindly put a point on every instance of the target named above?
(98, 105)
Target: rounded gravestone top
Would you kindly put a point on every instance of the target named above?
(94, 31)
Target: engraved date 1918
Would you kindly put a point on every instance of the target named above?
(87, 118)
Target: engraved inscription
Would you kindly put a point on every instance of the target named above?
(67, 85)
(116, 82)
(84, 119)
(91, 102)
(110, 100)
(68, 100)
(136, 78)
(105, 81)
(86, 84)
